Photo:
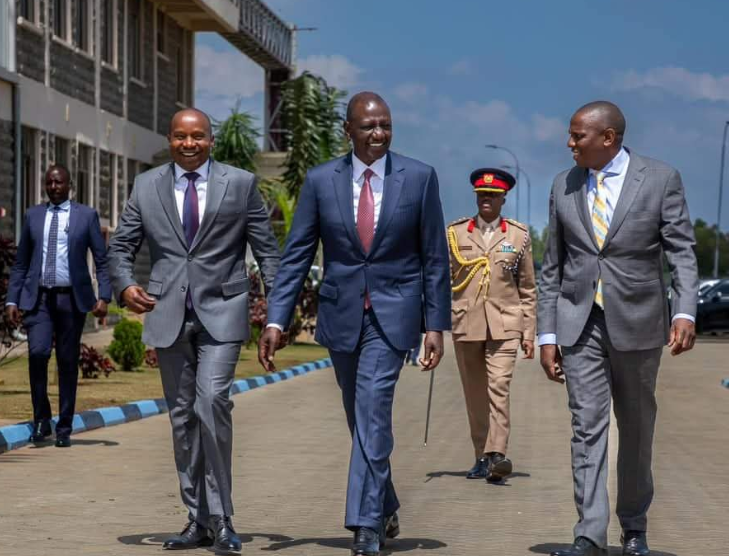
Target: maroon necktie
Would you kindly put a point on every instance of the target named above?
(366, 219)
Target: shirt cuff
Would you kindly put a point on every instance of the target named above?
(9, 303)
(683, 316)
(274, 325)
(547, 339)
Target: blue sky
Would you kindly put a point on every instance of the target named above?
(459, 75)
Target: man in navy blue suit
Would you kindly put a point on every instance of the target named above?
(386, 272)
(50, 283)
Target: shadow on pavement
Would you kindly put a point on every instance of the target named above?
(438, 474)
(345, 543)
(157, 539)
(50, 443)
(612, 550)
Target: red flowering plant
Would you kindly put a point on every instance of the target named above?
(10, 336)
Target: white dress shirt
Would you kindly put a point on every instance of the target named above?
(63, 277)
(615, 172)
(377, 183)
(201, 185)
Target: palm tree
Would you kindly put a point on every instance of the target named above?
(236, 139)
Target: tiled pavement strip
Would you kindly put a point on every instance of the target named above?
(115, 491)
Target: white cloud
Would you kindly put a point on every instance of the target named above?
(337, 70)
(410, 92)
(226, 73)
(462, 67)
(678, 81)
(548, 129)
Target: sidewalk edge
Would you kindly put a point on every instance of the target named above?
(16, 436)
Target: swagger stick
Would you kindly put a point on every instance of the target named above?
(430, 399)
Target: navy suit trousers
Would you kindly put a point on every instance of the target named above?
(55, 314)
(367, 378)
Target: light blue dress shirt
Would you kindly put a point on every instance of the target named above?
(63, 276)
(615, 172)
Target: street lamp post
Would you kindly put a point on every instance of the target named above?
(529, 194)
(721, 189)
(516, 164)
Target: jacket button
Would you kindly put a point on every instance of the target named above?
(189, 257)
(183, 289)
(601, 256)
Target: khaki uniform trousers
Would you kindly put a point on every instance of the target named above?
(486, 369)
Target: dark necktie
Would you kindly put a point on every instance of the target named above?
(190, 220)
(190, 208)
(366, 219)
(49, 273)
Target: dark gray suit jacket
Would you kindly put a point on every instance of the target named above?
(214, 267)
(651, 220)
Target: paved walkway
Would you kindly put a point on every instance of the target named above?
(115, 491)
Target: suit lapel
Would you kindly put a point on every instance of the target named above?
(73, 216)
(342, 181)
(394, 178)
(580, 181)
(165, 185)
(217, 186)
(633, 180)
(496, 238)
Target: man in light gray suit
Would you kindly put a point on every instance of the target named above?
(613, 219)
(197, 215)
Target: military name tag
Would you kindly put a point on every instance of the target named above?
(465, 247)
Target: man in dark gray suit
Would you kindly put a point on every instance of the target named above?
(613, 219)
(197, 216)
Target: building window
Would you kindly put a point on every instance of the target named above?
(135, 39)
(83, 175)
(61, 150)
(82, 27)
(161, 31)
(131, 174)
(26, 10)
(108, 34)
(60, 19)
(29, 159)
(182, 70)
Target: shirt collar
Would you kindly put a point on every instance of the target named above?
(202, 171)
(617, 165)
(378, 167)
(488, 226)
(64, 206)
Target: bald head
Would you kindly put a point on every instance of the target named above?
(191, 113)
(363, 99)
(605, 114)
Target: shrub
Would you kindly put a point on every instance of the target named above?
(127, 348)
(92, 363)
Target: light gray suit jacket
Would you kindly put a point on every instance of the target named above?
(650, 220)
(214, 267)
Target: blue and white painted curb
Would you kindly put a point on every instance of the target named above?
(15, 436)
(725, 383)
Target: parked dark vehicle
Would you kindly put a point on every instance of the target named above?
(713, 309)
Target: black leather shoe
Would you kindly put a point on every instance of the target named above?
(366, 542)
(581, 547)
(225, 536)
(193, 535)
(63, 442)
(499, 468)
(480, 470)
(634, 543)
(41, 431)
(392, 526)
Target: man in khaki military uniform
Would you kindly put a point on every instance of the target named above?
(494, 312)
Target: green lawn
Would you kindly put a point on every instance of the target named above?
(120, 387)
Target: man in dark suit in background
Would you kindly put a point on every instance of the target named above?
(51, 284)
(379, 218)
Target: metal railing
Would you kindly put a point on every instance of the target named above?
(267, 38)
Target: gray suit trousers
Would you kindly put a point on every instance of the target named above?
(596, 372)
(197, 372)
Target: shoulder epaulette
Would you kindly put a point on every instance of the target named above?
(460, 221)
(517, 224)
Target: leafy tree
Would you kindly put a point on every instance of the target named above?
(312, 115)
(236, 139)
(705, 247)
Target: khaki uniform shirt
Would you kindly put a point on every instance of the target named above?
(504, 307)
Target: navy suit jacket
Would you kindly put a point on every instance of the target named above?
(406, 271)
(84, 233)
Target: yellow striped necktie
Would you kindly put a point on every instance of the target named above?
(600, 224)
